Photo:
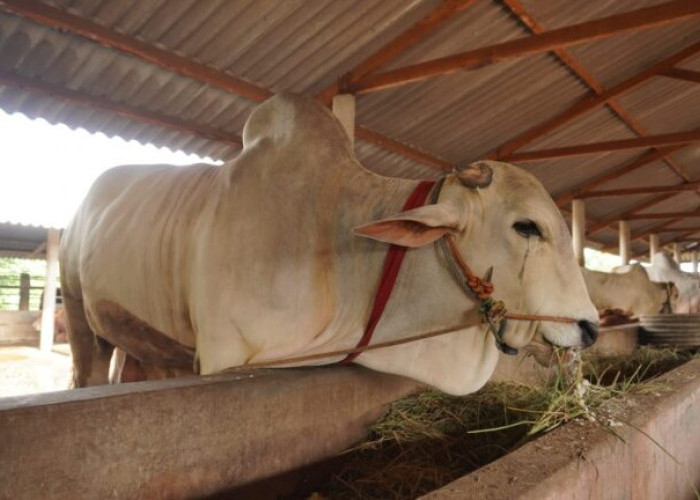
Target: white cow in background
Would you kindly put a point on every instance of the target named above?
(667, 269)
(278, 254)
(630, 290)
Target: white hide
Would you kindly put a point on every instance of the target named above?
(257, 259)
(631, 291)
(667, 269)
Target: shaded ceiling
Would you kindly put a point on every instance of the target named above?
(186, 74)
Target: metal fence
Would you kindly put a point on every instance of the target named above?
(21, 292)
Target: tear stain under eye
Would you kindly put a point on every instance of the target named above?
(522, 268)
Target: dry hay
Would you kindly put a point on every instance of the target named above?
(428, 439)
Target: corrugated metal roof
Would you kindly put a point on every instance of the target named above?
(305, 46)
(22, 241)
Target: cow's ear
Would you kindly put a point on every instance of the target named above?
(417, 227)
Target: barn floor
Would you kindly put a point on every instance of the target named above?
(27, 370)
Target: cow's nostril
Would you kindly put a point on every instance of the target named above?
(589, 332)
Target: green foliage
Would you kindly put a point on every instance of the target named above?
(10, 271)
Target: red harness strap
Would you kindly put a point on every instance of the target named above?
(392, 265)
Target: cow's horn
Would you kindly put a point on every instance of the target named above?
(487, 276)
(475, 175)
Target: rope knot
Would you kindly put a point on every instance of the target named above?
(482, 289)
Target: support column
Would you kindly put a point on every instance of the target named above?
(653, 246)
(344, 110)
(49, 304)
(625, 237)
(677, 252)
(24, 287)
(694, 261)
(578, 229)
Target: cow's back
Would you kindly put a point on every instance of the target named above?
(129, 243)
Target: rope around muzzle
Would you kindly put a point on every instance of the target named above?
(492, 312)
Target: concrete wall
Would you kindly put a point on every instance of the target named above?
(186, 437)
(658, 459)
(16, 327)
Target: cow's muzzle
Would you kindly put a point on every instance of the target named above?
(589, 332)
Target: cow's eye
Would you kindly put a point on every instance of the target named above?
(527, 228)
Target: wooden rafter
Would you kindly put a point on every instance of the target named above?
(592, 101)
(682, 74)
(663, 215)
(60, 19)
(625, 215)
(563, 37)
(607, 146)
(82, 99)
(426, 26)
(676, 188)
(635, 164)
(678, 229)
(586, 77)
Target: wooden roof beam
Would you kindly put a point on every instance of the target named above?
(591, 101)
(82, 99)
(678, 229)
(635, 164)
(60, 19)
(676, 188)
(663, 215)
(518, 9)
(682, 74)
(563, 37)
(426, 26)
(607, 146)
(629, 212)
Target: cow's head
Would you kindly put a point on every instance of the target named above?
(502, 217)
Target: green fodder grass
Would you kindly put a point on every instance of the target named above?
(429, 439)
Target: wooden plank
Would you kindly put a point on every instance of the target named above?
(571, 35)
(185, 438)
(426, 26)
(682, 74)
(607, 146)
(63, 20)
(82, 99)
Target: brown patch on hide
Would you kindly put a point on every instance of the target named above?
(139, 339)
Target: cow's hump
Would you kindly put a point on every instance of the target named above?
(299, 124)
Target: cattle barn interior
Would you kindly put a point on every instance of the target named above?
(599, 99)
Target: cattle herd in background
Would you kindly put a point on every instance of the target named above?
(636, 290)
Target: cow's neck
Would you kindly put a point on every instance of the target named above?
(426, 298)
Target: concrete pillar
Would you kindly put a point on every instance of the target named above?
(24, 287)
(578, 229)
(625, 238)
(344, 110)
(677, 252)
(653, 246)
(49, 304)
(694, 261)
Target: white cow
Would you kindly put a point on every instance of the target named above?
(667, 269)
(630, 290)
(218, 267)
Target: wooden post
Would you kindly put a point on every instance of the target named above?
(24, 284)
(625, 237)
(49, 304)
(344, 110)
(578, 230)
(677, 252)
(653, 246)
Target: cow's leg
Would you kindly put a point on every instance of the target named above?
(91, 354)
